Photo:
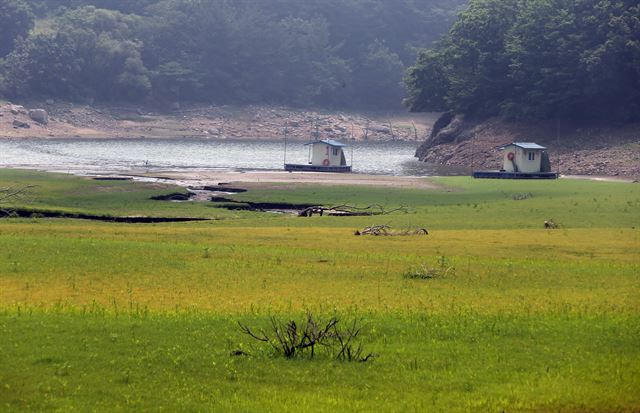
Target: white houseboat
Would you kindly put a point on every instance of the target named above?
(522, 160)
(325, 155)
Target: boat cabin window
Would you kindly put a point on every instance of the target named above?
(335, 151)
(532, 156)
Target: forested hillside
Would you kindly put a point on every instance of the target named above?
(535, 59)
(323, 52)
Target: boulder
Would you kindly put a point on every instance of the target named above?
(19, 124)
(380, 129)
(450, 132)
(18, 109)
(39, 115)
(448, 129)
(444, 120)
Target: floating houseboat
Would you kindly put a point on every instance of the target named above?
(522, 160)
(325, 155)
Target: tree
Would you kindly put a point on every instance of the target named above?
(325, 52)
(89, 53)
(535, 59)
(378, 76)
(16, 20)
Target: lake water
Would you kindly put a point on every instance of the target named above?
(121, 155)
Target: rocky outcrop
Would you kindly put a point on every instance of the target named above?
(575, 148)
(39, 115)
(449, 128)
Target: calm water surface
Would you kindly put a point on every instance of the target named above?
(120, 155)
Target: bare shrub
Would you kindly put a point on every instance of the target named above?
(292, 339)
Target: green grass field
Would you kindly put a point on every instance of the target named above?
(99, 316)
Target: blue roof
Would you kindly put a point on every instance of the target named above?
(329, 142)
(525, 145)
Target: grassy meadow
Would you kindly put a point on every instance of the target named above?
(98, 316)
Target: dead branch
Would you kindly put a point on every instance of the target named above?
(247, 331)
(385, 230)
(350, 210)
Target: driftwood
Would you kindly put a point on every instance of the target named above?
(349, 210)
(385, 230)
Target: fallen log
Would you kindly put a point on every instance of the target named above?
(349, 210)
(385, 230)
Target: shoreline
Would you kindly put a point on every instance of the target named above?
(67, 120)
(254, 178)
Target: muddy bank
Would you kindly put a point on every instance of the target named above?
(235, 205)
(224, 180)
(32, 213)
(575, 148)
(67, 120)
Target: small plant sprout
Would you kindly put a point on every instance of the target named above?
(426, 272)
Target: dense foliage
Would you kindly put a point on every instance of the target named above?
(16, 19)
(535, 59)
(326, 52)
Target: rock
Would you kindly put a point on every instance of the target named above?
(294, 124)
(380, 129)
(450, 132)
(39, 115)
(340, 128)
(18, 109)
(19, 124)
(444, 120)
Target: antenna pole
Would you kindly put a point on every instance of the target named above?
(558, 140)
(285, 145)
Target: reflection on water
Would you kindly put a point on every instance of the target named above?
(117, 155)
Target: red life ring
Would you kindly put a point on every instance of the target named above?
(325, 162)
(511, 156)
